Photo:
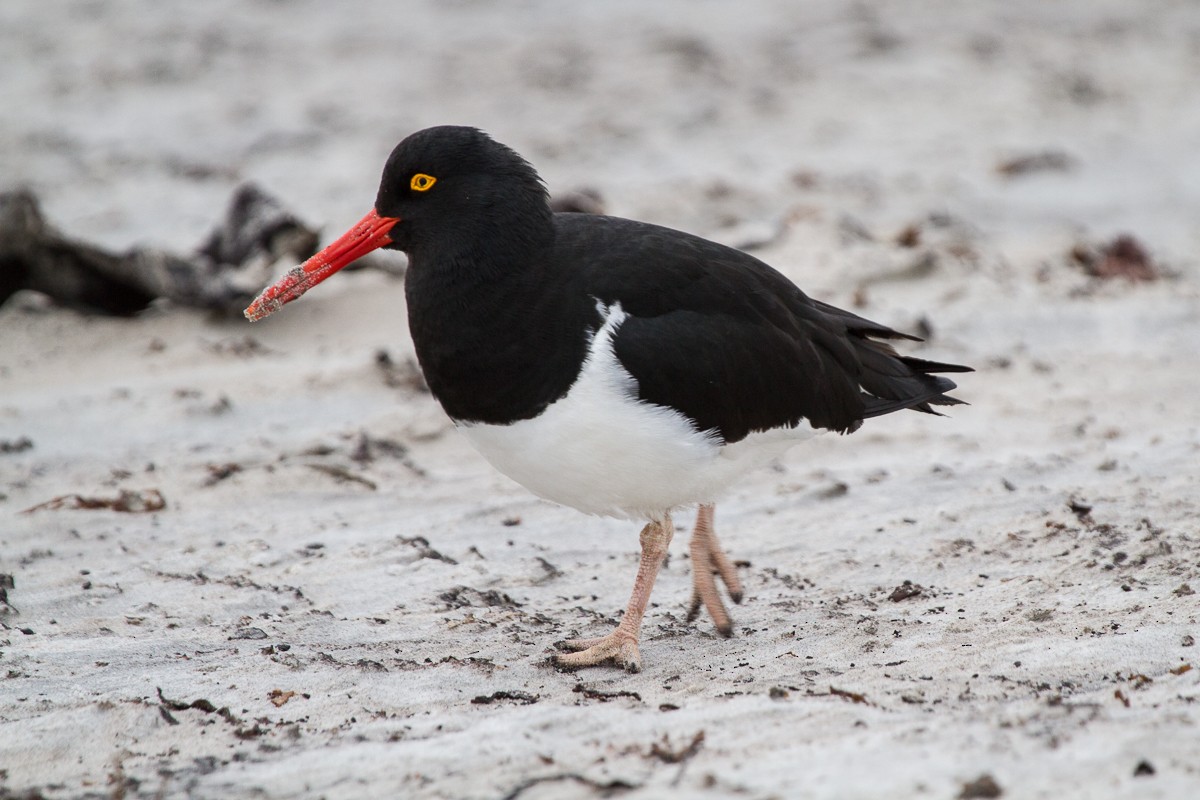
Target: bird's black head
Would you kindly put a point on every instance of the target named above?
(454, 187)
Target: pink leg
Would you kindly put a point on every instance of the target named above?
(708, 559)
(621, 646)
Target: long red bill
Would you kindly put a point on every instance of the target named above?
(370, 233)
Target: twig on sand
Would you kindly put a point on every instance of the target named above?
(605, 789)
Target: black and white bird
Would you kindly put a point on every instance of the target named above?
(617, 367)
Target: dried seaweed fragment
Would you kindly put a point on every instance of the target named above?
(128, 501)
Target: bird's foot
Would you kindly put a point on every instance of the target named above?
(619, 647)
(710, 598)
(709, 562)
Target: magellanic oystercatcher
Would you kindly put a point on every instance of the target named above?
(613, 366)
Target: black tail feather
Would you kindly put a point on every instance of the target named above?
(892, 382)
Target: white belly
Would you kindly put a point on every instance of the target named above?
(601, 450)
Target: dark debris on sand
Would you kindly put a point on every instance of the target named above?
(223, 273)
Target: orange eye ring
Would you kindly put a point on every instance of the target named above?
(422, 182)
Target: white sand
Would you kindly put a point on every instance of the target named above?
(1045, 650)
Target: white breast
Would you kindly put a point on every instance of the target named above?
(601, 450)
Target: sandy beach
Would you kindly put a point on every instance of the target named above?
(301, 582)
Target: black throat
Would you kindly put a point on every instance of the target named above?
(498, 331)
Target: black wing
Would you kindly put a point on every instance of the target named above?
(737, 347)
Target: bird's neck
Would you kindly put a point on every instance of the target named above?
(497, 336)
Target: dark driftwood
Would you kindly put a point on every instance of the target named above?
(225, 273)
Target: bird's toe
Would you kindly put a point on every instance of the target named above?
(575, 645)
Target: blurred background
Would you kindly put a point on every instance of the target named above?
(133, 123)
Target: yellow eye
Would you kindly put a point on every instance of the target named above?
(422, 182)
